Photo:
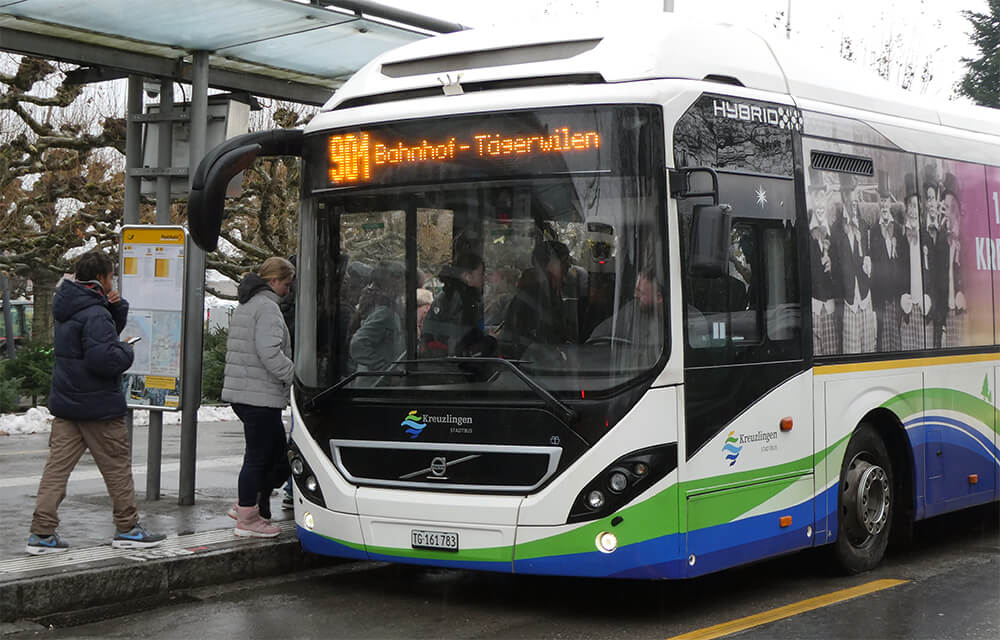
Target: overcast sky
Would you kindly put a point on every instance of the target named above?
(922, 29)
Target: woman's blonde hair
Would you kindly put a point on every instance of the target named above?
(276, 267)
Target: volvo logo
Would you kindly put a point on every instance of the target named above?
(439, 465)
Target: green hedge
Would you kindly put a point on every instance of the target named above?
(28, 374)
(213, 364)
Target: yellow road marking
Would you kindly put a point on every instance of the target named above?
(787, 611)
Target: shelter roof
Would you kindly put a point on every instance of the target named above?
(279, 48)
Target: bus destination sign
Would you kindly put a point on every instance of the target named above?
(557, 141)
(353, 157)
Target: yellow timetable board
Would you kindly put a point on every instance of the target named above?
(152, 281)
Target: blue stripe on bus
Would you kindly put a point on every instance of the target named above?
(656, 558)
(318, 544)
(478, 565)
(917, 426)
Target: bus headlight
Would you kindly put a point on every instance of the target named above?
(305, 480)
(308, 521)
(618, 481)
(595, 499)
(621, 481)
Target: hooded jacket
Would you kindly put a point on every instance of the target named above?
(455, 317)
(259, 367)
(89, 358)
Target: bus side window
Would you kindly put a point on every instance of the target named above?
(782, 307)
(724, 310)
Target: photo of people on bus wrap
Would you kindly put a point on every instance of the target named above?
(901, 258)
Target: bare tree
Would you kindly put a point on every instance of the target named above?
(61, 186)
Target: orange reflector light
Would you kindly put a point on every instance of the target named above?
(785, 521)
(786, 423)
(973, 478)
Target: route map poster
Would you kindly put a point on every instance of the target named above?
(152, 281)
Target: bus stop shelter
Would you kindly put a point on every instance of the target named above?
(290, 50)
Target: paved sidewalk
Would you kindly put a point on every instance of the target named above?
(201, 548)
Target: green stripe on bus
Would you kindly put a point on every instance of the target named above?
(913, 402)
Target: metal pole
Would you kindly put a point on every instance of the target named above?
(154, 443)
(133, 184)
(133, 149)
(392, 13)
(8, 317)
(194, 300)
(788, 21)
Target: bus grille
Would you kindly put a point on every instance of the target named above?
(445, 466)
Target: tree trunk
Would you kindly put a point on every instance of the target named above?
(44, 282)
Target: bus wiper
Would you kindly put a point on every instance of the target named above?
(332, 389)
(565, 412)
(316, 400)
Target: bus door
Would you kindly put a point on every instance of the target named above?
(748, 475)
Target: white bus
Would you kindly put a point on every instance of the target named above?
(696, 301)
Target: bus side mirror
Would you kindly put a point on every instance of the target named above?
(710, 228)
(208, 187)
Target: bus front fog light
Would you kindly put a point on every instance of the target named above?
(618, 481)
(606, 542)
(595, 499)
(311, 484)
(297, 466)
(307, 520)
(640, 469)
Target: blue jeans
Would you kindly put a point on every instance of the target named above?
(265, 458)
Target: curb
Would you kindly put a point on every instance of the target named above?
(135, 575)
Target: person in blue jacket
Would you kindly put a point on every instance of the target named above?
(88, 405)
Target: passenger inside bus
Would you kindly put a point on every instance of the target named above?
(379, 339)
(454, 324)
(638, 321)
(535, 315)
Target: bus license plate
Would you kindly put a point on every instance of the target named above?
(440, 540)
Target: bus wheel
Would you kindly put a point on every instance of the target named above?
(865, 502)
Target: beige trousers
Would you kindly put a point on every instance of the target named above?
(108, 443)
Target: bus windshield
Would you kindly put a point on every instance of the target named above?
(426, 287)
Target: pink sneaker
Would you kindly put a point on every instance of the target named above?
(249, 524)
(232, 513)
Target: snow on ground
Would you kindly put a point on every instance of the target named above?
(39, 420)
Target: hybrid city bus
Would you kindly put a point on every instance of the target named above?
(644, 303)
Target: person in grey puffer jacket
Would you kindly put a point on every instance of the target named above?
(258, 377)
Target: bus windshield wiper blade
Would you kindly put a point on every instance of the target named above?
(395, 373)
(564, 411)
(325, 393)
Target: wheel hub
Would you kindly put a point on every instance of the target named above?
(867, 498)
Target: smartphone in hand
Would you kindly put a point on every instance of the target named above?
(134, 340)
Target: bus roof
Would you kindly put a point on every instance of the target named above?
(656, 47)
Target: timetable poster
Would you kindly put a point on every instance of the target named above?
(152, 281)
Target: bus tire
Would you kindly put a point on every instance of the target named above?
(865, 502)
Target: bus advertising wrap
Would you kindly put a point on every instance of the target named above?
(901, 259)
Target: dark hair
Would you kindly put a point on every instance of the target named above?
(468, 261)
(93, 265)
(551, 250)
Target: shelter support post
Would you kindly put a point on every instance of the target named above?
(133, 184)
(194, 296)
(154, 443)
